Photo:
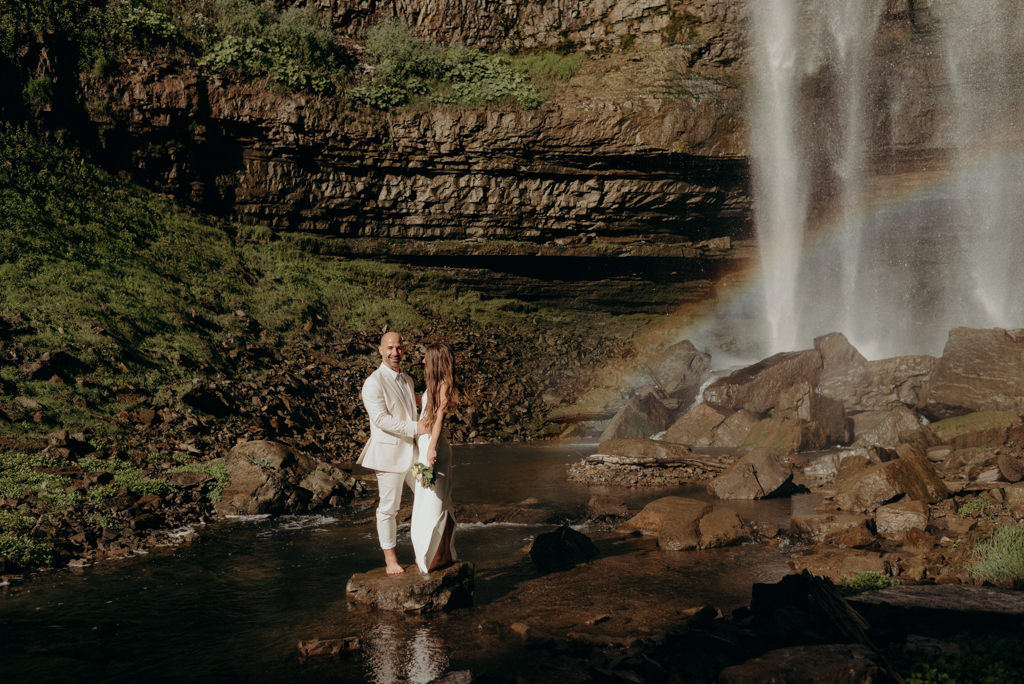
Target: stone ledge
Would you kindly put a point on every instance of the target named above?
(413, 591)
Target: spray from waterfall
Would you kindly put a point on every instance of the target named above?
(888, 170)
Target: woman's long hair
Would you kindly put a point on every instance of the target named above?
(438, 369)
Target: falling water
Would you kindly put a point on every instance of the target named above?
(888, 169)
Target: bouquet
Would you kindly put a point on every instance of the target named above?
(424, 474)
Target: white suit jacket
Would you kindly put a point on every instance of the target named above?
(392, 444)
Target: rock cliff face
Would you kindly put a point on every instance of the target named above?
(600, 25)
(619, 153)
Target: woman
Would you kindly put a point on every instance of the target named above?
(433, 524)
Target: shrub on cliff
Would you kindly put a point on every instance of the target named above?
(406, 67)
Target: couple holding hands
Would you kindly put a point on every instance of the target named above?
(409, 446)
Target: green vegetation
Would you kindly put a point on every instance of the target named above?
(1000, 557)
(982, 658)
(866, 580)
(214, 469)
(126, 476)
(290, 46)
(24, 551)
(407, 68)
(977, 507)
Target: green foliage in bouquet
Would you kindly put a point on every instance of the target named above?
(424, 474)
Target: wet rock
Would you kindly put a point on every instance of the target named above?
(327, 647)
(269, 477)
(561, 549)
(757, 388)
(735, 429)
(758, 474)
(413, 591)
(862, 385)
(673, 518)
(679, 371)
(837, 564)
(883, 428)
(721, 527)
(870, 487)
(979, 370)
(642, 416)
(801, 401)
(896, 520)
(833, 663)
(696, 427)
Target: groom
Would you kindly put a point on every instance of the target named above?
(391, 404)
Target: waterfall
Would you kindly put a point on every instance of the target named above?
(887, 170)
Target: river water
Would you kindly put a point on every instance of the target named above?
(233, 604)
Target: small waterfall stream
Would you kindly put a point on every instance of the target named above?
(888, 170)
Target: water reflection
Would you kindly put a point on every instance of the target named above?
(394, 653)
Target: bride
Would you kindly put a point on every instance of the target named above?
(433, 524)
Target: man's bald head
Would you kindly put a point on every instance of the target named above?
(392, 350)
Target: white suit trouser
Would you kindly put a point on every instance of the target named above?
(389, 485)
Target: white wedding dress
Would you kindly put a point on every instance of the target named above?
(432, 506)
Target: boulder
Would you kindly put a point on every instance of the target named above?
(824, 469)
(868, 488)
(979, 428)
(642, 416)
(414, 591)
(802, 402)
(679, 371)
(673, 518)
(759, 474)
(1013, 496)
(862, 385)
(721, 527)
(883, 428)
(837, 564)
(786, 436)
(734, 430)
(1011, 467)
(561, 549)
(838, 528)
(979, 370)
(697, 426)
(757, 388)
(896, 520)
(269, 477)
(833, 663)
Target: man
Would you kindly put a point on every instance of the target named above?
(391, 404)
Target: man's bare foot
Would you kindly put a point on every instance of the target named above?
(391, 563)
